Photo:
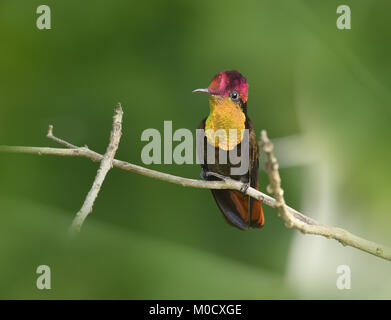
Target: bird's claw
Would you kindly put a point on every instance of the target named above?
(206, 174)
(244, 188)
(217, 175)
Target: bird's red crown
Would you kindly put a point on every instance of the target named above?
(226, 81)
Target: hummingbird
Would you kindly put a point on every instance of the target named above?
(227, 93)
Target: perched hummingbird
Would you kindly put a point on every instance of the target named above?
(227, 93)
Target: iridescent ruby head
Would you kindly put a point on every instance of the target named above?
(228, 84)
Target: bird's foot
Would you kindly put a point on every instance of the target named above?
(244, 188)
(203, 174)
(214, 174)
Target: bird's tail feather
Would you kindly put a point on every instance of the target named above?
(235, 207)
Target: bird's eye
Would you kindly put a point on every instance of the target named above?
(234, 95)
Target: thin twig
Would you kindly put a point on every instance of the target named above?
(58, 140)
(344, 237)
(105, 165)
(292, 217)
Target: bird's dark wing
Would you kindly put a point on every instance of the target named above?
(201, 146)
(255, 207)
(253, 156)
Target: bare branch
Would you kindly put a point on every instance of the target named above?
(344, 237)
(105, 165)
(185, 182)
(292, 217)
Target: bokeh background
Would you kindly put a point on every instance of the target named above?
(323, 94)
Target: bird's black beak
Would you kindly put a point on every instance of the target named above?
(202, 90)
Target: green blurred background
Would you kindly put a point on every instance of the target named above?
(308, 80)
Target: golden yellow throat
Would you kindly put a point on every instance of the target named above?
(224, 115)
